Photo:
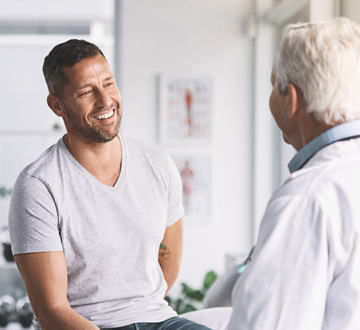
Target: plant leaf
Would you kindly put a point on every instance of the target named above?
(168, 299)
(193, 294)
(210, 277)
(188, 308)
(178, 304)
(185, 287)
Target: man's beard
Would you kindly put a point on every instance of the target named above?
(93, 133)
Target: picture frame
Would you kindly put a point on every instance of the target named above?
(196, 172)
(185, 110)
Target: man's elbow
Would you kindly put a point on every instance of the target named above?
(47, 313)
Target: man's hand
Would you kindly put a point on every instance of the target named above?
(170, 252)
(45, 277)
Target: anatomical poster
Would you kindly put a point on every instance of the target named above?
(195, 172)
(185, 110)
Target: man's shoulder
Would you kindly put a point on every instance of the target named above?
(325, 180)
(299, 182)
(136, 148)
(45, 165)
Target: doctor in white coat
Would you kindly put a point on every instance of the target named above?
(305, 270)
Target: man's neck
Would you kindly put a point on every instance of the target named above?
(102, 160)
(308, 128)
(312, 129)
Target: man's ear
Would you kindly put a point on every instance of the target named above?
(295, 100)
(55, 105)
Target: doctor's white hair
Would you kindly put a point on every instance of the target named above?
(323, 61)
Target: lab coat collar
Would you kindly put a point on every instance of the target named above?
(341, 132)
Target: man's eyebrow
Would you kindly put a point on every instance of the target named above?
(109, 78)
(84, 86)
(89, 85)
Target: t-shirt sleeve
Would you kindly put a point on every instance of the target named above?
(33, 221)
(175, 205)
(285, 285)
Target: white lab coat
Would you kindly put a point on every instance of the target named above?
(305, 272)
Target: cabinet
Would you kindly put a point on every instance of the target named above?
(23, 90)
(27, 123)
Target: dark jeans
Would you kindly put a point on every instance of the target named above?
(174, 323)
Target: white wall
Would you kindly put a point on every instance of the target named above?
(351, 9)
(197, 37)
(54, 10)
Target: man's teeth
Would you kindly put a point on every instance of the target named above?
(106, 115)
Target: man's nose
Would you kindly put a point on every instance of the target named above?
(103, 98)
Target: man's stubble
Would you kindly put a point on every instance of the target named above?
(94, 133)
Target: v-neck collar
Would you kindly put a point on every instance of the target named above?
(89, 175)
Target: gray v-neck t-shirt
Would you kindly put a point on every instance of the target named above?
(110, 235)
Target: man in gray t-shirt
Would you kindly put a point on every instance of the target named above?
(87, 218)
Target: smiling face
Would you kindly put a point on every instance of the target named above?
(91, 102)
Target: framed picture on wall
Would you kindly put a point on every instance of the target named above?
(185, 110)
(195, 172)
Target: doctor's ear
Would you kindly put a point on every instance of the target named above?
(55, 105)
(295, 99)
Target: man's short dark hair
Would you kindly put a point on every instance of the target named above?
(66, 54)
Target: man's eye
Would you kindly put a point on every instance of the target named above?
(109, 84)
(86, 93)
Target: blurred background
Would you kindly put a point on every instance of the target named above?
(227, 45)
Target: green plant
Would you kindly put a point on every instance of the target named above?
(190, 297)
(4, 191)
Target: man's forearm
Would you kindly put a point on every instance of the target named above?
(169, 265)
(170, 274)
(170, 252)
(63, 318)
